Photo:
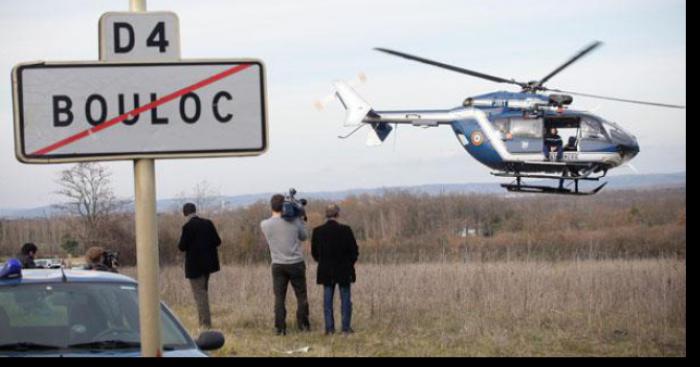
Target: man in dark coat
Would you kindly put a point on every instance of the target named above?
(199, 241)
(553, 142)
(27, 255)
(334, 247)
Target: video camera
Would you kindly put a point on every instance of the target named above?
(293, 208)
(110, 259)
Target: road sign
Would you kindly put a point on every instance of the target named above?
(68, 112)
(147, 36)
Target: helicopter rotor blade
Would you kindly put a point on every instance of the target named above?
(615, 98)
(452, 68)
(579, 55)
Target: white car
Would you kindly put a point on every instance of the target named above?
(73, 313)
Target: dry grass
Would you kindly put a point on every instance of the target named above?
(577, 308)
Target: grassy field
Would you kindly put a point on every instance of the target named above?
(577, 308)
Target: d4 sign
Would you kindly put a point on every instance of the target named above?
(148, 36)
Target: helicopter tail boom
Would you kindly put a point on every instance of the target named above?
(359, 112)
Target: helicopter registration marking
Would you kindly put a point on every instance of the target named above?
(567, 156)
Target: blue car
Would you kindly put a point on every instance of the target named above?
(73, 313)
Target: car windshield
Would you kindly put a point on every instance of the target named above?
(75, 315)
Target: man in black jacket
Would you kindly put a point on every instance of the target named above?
(333, 246)
(27, 255)
(553, 142)
(199, 241)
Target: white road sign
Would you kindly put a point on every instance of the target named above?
(68, 112)
(147, 36)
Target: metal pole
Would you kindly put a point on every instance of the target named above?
(147, 245)
(147, 256)
(137, 5)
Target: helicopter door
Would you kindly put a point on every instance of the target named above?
(593, 137)
(524, 135)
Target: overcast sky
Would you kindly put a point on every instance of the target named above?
(308, 44)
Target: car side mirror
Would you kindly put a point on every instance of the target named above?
(210, 340)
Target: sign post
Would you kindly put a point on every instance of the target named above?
(140, 102)
(147, 256)
(147, 265)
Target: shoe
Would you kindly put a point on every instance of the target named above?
(348, 331)
(330, 332)
(305, 328)
(281, 332)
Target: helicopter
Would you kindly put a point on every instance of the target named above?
(512, 132)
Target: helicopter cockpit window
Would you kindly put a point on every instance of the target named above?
(591, 129)
(617, 133)
(526, 128)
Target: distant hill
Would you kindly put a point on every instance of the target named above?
(621, 182)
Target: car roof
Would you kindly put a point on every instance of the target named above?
(40, 276)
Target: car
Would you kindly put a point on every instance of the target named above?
(47, 263)
(73, 313)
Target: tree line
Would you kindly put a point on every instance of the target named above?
(403, 226)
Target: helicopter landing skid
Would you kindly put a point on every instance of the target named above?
(519, 187)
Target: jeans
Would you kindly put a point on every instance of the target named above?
(200, 290)
(345, 306)
(560, 151)
(282, 275)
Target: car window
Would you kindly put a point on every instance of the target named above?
(32, 308)
(62, 314)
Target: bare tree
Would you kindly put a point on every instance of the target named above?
(87, 188)
(206, 198)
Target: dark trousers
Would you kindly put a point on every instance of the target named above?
(200, 290)
(282, 275)
(345, 306)
(548, 148)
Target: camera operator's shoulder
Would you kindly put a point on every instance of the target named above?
(266, 223)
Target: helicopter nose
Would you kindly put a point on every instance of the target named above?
(628, 151)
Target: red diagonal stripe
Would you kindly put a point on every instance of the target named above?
(142, 109)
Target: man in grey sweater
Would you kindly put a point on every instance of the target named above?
(284, 238)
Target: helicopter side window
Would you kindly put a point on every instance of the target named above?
(524, 136)
(591, 129)
(502, 126)
(526, 128)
